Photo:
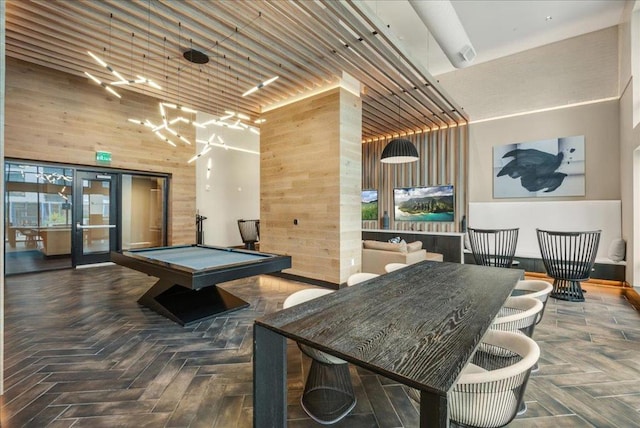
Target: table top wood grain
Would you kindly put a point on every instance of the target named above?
(418, 325)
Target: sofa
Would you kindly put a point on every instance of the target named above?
(376, 254)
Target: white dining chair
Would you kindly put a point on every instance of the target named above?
(328, 394)
(535, 288)
(359, 277)
(491, 387)
(390, 267)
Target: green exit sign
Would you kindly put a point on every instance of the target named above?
(103, 157)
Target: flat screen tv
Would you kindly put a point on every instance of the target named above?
(433, 203)
(369, 205)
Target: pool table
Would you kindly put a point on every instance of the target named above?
(186, 290)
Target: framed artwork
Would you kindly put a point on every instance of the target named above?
(542, 168)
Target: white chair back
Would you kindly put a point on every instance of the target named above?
(359, 277)
(489, 392)
(535, 288)
(518, 314)
(304, 296)
(390, 267)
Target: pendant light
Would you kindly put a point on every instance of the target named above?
(399, 150)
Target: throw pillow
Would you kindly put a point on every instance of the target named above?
(617, 250)
(467, 242)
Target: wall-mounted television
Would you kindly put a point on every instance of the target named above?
(369, 205)
(433, 203)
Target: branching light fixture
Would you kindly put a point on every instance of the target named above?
(173, 115)
(121, 80)
(208, 144)
(138, 79)
(104, 85)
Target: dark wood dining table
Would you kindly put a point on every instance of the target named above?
(418, 325)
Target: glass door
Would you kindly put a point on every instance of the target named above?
(95, 214)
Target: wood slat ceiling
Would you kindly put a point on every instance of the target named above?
(307, 43)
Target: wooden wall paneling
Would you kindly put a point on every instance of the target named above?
(56, 117)
(306, 163)
(350, 184)
(442, 161)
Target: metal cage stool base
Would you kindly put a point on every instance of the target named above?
(328, 393)
(567, 290)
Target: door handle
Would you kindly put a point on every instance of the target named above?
(95, 226)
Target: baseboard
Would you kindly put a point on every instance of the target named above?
(306, 280)
(633, 297)
(591, 281)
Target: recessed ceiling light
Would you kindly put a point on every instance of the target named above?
(548, 18)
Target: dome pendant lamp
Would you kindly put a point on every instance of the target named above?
(399, 150)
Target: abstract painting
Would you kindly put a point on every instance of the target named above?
(542, 168)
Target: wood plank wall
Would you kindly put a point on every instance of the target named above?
(350, 184)
(443, 160)
(58, 117)
(310, 166)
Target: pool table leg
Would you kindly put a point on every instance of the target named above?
(185, 305)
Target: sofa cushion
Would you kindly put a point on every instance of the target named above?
(414, 246)
(374, 261)
(386, 246)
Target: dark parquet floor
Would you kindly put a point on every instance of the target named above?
(80, 352)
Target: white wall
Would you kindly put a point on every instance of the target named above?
(232, 189)
(568, 216)
(597, 122)
(567, 88)
(576, 70)
(629, 144)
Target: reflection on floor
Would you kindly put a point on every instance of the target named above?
(33, 260)
(28, 257)
(81, 352)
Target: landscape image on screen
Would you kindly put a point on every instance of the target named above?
(433, 203)
(369, 205)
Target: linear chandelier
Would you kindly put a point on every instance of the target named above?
(260, 86)
(121, 80)
(171, 114)
(263, 83)
(210, 143)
